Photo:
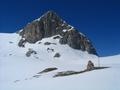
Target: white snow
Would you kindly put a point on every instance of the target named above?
(17, 70)
(64, 30)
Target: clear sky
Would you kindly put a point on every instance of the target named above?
(98, 19)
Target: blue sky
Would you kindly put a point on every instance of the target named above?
(98, 19)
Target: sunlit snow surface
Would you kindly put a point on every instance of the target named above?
(17, 70)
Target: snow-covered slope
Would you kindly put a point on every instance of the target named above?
(17, 70)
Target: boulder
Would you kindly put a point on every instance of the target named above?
(57, 55)
(47, 43)
(22, 43)
(29, 52)
(90, 66)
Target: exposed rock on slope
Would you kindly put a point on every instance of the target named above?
(51, 24)
(48, 25)
(77, 41)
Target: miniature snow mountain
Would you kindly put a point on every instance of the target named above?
(51, 24)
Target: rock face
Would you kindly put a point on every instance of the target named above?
(51, 24)
(57, 55)
(48, 25)
(77, 41)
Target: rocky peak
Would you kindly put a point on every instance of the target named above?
(51, 24)
(50, 14)
(46, 26)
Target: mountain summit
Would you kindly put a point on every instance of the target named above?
(51, 24)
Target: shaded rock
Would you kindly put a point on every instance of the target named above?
(57, 55)
(63, 41)
(97, 68)
(56, 37)
(48, 25)
(10, 54)
(90, 66)
(39, 42)
(50, 49)
(47, 43)
(36, 76)
(10, 42)
(22, 43)
(66, 73)
(30, 51)
(48, 70)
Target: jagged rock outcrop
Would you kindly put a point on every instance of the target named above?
(77, 41)
(48, 25)
(51, 24)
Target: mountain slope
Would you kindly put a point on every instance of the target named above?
(17, 71)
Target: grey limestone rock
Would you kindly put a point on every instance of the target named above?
(51, 24)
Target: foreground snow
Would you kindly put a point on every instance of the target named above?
(17, 70)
